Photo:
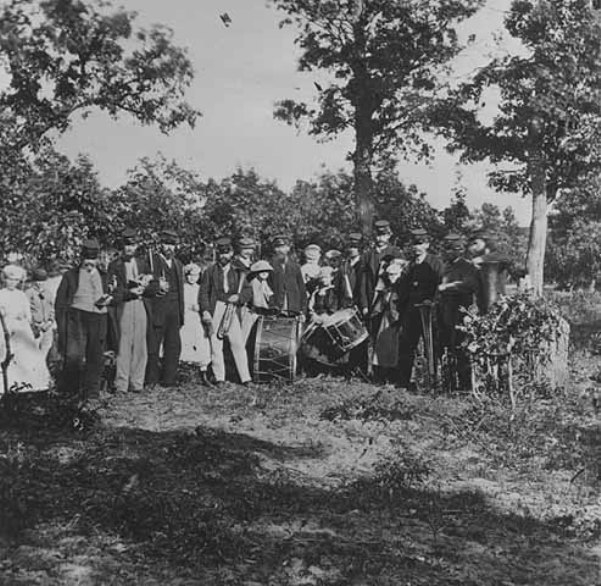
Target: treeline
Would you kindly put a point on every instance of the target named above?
(51, 204)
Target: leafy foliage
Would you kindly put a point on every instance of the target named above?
(68, 56)
(557, 84)
(381, 58)
(512, 338)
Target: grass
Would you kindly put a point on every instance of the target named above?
(320, 482)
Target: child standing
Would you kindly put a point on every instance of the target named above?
(196, 345)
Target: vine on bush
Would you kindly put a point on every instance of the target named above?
(510, 341)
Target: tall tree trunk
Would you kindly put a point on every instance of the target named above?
(364, 183)
(365, 106)
(535, 260)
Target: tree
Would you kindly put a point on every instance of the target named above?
(160, 195)
(52, 205)
(574, 252)
(509, 239)
(382, 57)
(549, 120)
(68, 56)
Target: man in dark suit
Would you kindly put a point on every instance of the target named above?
(286, 281)
(81, 316)
(373, 264)
(418, 285)
(458, 290)
(167, 312)
(350, 271)
(224, 287)
(133, 289)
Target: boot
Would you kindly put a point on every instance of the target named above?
(204, 379)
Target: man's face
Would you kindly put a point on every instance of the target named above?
(382, 238)
(89, 264)
(247, 253)
(129, 249)
(420, 248)
(453, 252)
(168, 249)
(224, 256)
(282, 249)
(352, 251)
(476, 247)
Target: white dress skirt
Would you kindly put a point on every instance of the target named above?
(27, 370)
(196, 347)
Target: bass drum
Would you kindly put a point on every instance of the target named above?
(275, 348)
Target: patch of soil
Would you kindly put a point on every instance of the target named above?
(322, 482)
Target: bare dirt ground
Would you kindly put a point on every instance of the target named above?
(321, 482)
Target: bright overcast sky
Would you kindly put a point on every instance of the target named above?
(241, 71)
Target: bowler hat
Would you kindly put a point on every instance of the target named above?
(280, 240)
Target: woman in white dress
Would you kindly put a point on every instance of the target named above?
(27, 369)
(196, 346)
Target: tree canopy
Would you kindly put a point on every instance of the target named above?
(381, 59)
(549, 120)
(68, 56)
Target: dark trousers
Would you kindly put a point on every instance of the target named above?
(84, 360)
(165, 332)
(412, 331)
(458, 363)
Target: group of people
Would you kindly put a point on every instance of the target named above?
(152, 312)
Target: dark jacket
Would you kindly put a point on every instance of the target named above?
(287, 280)
(463, 295)
(420, 282)
(159, 268)
(370, 270)
(325, 302)
(64, 299)
(212, 290)
(349, 283)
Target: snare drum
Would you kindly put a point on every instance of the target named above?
(275, 348)
(345, 329)
(329, 341)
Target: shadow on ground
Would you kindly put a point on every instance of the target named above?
(211, 507)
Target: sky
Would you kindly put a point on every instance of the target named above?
(240, 72)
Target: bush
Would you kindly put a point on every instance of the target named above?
(512, 342)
